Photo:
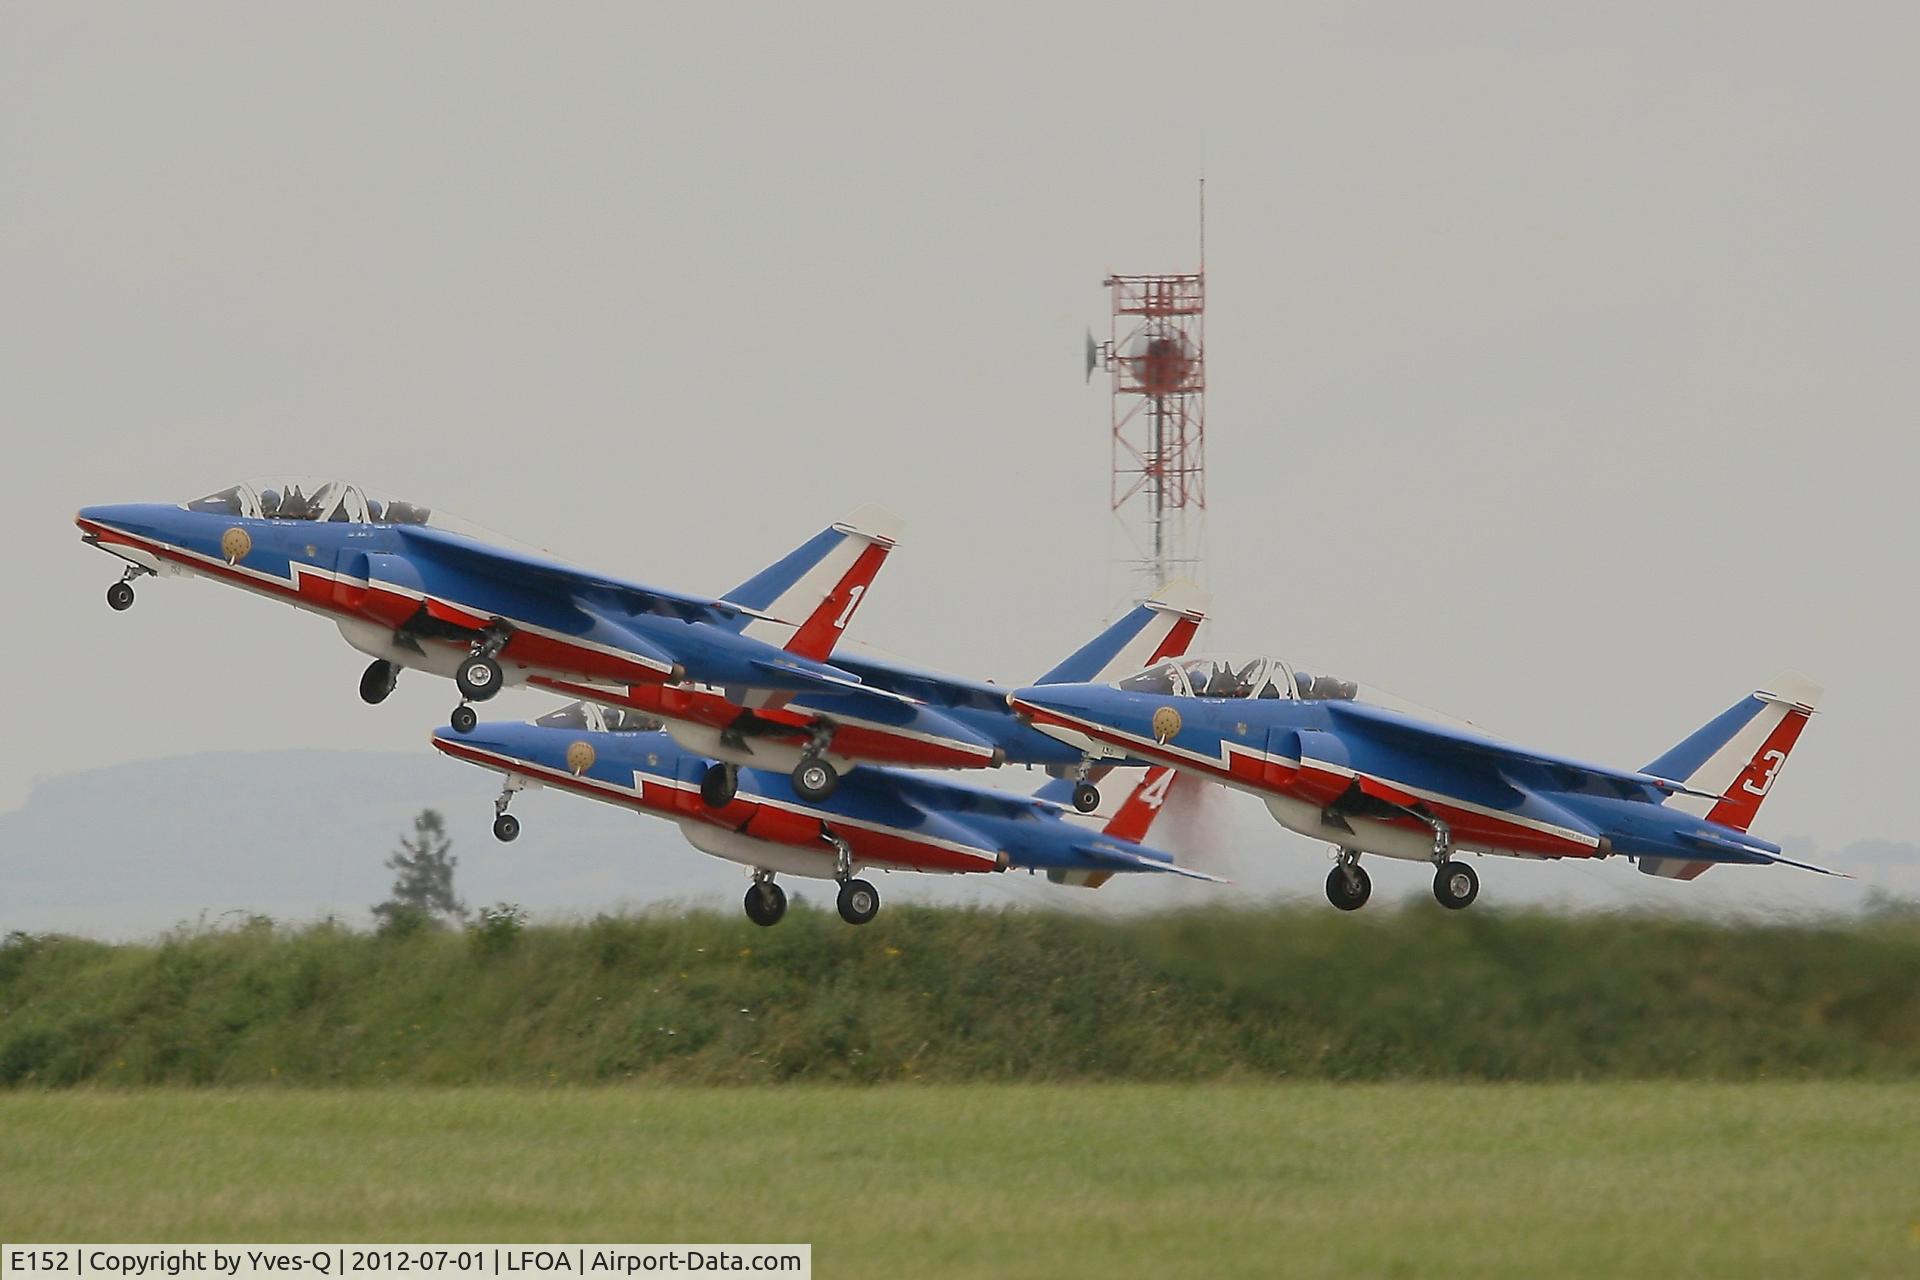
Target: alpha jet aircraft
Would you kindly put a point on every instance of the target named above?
(900, 715)
(412, 588)
(1344, 763)
(888, 819)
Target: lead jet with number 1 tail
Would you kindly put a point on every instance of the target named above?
(412, 588)
(1343, 763)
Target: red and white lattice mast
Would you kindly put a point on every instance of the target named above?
(1155, 356)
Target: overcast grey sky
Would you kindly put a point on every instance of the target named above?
(1562, 356)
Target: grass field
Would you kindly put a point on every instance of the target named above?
(1653, 1179)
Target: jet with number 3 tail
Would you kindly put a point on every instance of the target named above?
(1370, 774)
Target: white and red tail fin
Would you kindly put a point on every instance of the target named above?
(1732, 762)
(1134, 818)
(1159, 628)
(1130, 821)
(808, 597)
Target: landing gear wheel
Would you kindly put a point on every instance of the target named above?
(1086, 797)
(464, 718)
(766, 903)
(1455, 885)
(120, 596)
(478, 678)
(718, 785)
(506, 828)
(859, 902)
(378, 682)
(815, 779)
(1348, 888)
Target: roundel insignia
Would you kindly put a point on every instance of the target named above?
(1166, 723)
(580, 757)
(235, 543)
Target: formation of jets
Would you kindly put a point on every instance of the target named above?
(742, 719)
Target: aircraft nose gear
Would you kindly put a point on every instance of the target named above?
(718, 786)
(766, 901)
(1455, 885)
(1348, 886)
(120, 594)
(859, 901)
(378, 682)
(506, 827)
(1086, 796)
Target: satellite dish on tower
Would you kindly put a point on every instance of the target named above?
(1093, 355)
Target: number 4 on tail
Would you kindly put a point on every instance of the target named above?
(1154, 794)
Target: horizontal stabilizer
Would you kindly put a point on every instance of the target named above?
(1673, 868)
(1807, 866)
(1131, 859)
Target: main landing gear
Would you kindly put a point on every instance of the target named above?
(766, 901)
(378, 682)
(1348, 886)
(120, 594)
(719, 785)
(813, 777)
(1455, 885)
(506, 827)
(859, 901)
(479, 676)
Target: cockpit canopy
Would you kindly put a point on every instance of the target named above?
(328, 501)
(302, 499)
(1237, 676)
(595, 717)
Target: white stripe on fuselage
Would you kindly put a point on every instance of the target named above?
(298, 571)
(633, 798)
(1222, 764)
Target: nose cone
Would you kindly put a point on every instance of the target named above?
(494, 736)
(156, 521)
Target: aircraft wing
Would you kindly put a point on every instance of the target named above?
(1428, 736)
(526, 568)
(932, 687)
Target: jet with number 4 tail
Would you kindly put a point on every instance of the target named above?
(415, 589)
(877, 819)
(1370, 774)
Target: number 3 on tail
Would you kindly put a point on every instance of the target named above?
(853, 602)
(1764, 783)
